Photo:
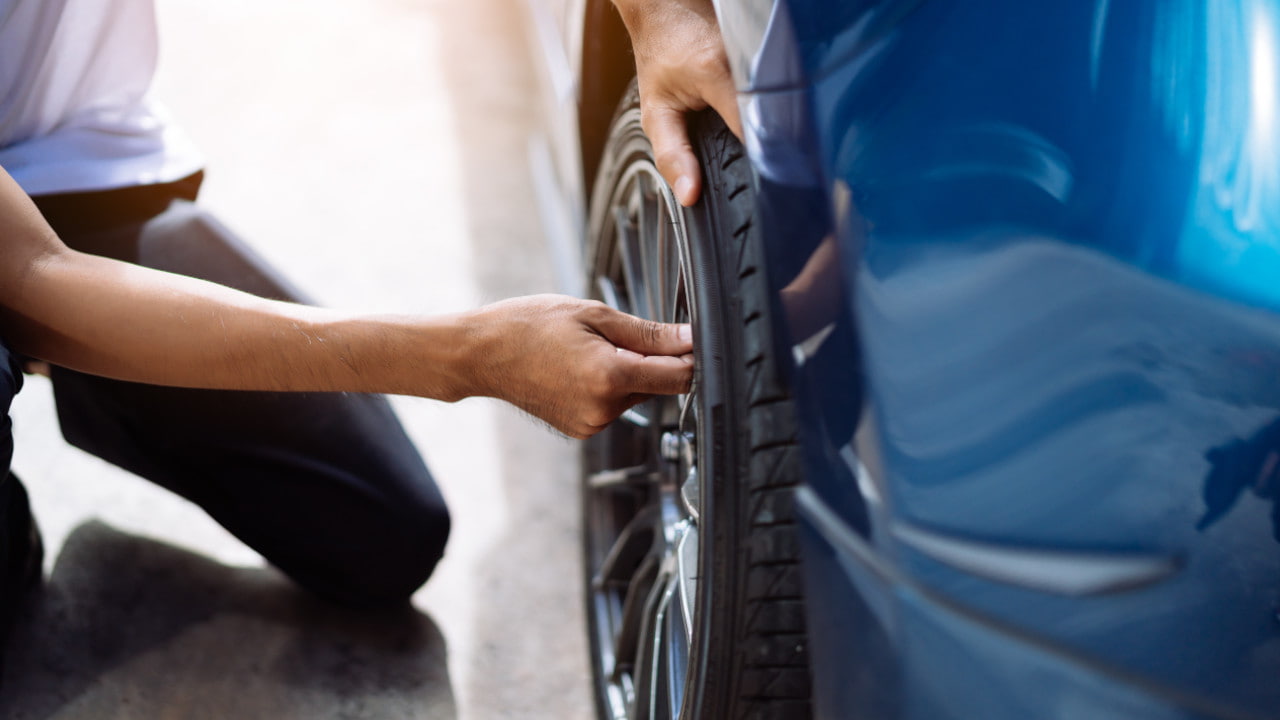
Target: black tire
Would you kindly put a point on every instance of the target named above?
(744, 645)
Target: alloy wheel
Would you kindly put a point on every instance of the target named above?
(642, 501)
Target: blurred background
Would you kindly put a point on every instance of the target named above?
(376, 151)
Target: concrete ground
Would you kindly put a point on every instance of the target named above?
(376, 150)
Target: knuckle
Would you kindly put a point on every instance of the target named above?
(709, 58)
(596, 312)
(601, 381)
(616, 377)
(654, 332)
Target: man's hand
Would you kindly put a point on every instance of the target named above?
(576, 364)
(681, 67)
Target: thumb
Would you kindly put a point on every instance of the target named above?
(672, 151)
(647, 337)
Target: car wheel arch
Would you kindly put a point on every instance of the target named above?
(607, 68)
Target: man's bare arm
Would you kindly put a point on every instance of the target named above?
(575, 364)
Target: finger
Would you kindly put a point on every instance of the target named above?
(646, 337)
(672, 151)
(655, 375)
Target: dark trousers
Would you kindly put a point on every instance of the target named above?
(20, 551)
(326, 486)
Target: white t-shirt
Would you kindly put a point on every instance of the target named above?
(74, 107)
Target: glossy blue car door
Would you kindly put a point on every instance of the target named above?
(1028, 254)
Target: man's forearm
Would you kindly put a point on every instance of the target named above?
(113, 319)
(119, 320)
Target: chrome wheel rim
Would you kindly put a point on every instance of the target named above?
(642, 499)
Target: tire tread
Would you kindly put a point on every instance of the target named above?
(773, 678)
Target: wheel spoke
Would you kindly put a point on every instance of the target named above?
(687, 576)
(690, 498)
(664, 302)
(626, 645)
(676, 658)
(608, 292)
(649, 657)
(671, 281)
(633, 544)
(619, 478)
(629, 241)
(636, 417)
(649, 223)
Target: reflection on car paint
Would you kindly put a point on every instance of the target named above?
(1251, 464)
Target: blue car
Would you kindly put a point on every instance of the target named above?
(986, 420)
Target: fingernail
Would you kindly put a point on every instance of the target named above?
(683, 187)
(685, 333)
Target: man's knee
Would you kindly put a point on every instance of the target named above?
(393, 560)
(426, 533)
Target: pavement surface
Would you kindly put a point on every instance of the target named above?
(376, 151)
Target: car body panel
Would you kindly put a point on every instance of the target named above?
(1054, 243)
(555, 161)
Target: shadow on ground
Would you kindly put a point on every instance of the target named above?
(148, 630)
